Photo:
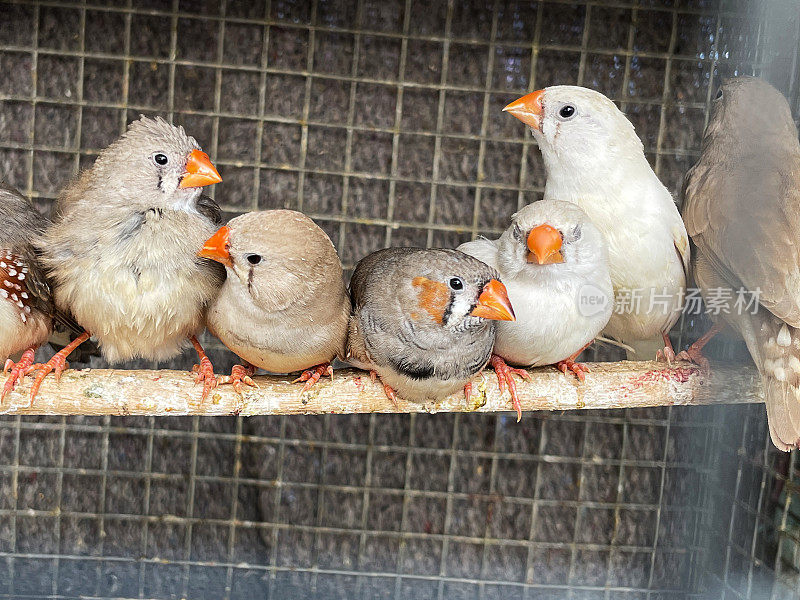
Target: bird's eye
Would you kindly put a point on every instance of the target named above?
(456, 283)
(253, 259)
(567, 111)
(576, 233)
(719, 94)
(160, 159)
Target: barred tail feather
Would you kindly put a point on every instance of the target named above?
(783, 410)
(778, 360)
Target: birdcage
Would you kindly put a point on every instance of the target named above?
(381, 119)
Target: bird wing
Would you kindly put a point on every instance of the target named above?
(356, 352)
(681, 241)
(73, 193)
(209, 208)
(746, 222)
(36, 282)
(21, 226)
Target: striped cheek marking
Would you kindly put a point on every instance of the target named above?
(434, 297)
(13, 275)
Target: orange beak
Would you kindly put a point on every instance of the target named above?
(218, 246)
(544, 243)
(528, 109)
(200, 171)
(493, 303)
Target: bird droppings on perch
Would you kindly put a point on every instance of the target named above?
(608, 385)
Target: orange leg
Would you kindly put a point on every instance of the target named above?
(390, 393)
(694, 352)
(580, 369)
(240, 374)
(667, 354)
(312, 376)
(504, 372)
(467, 391)
(205, 370)
(569, 364)
(18, 371)
(57, 364)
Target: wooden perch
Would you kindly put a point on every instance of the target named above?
(607, 385)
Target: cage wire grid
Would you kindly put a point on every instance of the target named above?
(341, 109)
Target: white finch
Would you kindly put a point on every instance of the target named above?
(122, 250)
(554, 264)
(594, 158)
(423, 320)
(283, 306)
(742, 209)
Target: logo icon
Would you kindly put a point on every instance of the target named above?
(592, 300)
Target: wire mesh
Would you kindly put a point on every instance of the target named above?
(382, 121)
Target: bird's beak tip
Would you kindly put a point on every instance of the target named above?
(493, 303)
(199, 171)
(217, 247)
(527, 109)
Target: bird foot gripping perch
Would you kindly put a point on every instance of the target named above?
(667, 353)
(475, 399)
(57, 364)
(313, 375)
(17, 371)
(204, 370)
(579, 369)
(390, 393)
(694, 353)
(504, 378)
(467, 392)
(240, 374)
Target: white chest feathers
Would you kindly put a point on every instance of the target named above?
(553, 322)
(141, 291)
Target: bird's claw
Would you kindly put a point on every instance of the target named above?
(504, 378)
(695, 355)
(18, 371)
(205, 373)
(579, 369)
(56, 365)
(312, 376)
(204, 370)
(667, 354)
(240, 374)
(392, 395)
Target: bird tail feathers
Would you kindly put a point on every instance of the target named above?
(775, 347)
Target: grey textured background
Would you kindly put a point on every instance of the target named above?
(382, 121)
